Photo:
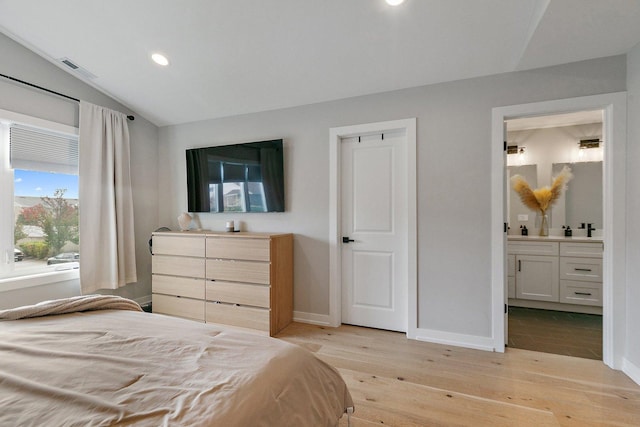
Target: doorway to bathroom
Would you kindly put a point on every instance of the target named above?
(613, 107)
(554, 279)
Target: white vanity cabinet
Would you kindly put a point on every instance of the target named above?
(555, 272)
(511, 276)
(581, 273)
(536, 270)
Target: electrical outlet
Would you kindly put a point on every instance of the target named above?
(523, 217)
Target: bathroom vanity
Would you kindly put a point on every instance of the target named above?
(555, 272)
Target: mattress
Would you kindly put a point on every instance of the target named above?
(111, 367)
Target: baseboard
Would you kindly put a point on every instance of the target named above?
(451, 338)
(631, 370)
(427, 335)
(311, 318)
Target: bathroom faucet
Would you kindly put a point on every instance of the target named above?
(589, 230)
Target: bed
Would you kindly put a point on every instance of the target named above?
(102, 361)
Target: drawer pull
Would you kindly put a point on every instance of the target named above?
(582, 269)
(519, 265)
(588, 294)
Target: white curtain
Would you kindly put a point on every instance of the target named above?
(107, 244)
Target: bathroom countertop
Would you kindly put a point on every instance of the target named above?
(517, 237)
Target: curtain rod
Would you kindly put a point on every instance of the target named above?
(48, 90)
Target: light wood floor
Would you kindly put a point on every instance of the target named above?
(400, 382)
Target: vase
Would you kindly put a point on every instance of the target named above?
(184, 220)
(542, 222)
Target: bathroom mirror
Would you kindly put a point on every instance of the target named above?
(518, 211)
(582, 201)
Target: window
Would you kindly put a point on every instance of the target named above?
(238, 188)
(39, 198)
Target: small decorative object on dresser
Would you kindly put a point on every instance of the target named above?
(184, 220)
(230, 226)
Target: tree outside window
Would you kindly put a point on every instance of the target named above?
(57, 218)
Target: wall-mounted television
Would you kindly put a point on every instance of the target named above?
(245, 177)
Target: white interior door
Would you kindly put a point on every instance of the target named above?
(374, 254)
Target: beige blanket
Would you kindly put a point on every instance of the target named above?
(110, 367)
(70, 305)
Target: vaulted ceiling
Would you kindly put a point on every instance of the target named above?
(230, 57)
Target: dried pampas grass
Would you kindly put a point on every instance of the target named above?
(542, 198)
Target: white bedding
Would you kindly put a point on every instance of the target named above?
(113, 367)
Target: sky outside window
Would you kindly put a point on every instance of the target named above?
(40, 184)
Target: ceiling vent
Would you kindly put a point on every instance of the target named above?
(75, 68)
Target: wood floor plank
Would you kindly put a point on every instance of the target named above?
(396, 402)
(401, 382)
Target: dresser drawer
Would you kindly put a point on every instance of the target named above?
(238, 271)
(533, 248)
(583, 269)
(178, 286)
(238, 293)
(238, 248)
(178, 245)
(181, 307)
(236, 315)
(591, 250)
(583, 293)
(178, 266)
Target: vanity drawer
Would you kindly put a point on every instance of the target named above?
(178, 245)
(178, 286)
(582, 269)
(238, 248)
(238, 293)
(533, 248)
(237, 315)
(178, 266)
(181, 307)
(590, 250)
(238, 271)
(582, 293)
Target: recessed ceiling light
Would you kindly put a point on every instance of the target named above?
(394, 2)
(160, 59)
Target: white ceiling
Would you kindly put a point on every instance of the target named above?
(555, 120)
(232, 57)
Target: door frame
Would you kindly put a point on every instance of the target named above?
(614, 106)
(335, 229)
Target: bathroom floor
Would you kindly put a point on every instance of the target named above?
(558, 332)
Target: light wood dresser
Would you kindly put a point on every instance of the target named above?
(240, 279)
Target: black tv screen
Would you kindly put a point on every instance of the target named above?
(236, 178)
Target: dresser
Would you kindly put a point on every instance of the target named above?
(239, 279)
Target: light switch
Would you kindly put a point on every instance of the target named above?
(523, 217)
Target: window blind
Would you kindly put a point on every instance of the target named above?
(43, 150)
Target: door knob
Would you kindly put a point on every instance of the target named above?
(347, 240)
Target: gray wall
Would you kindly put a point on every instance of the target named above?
(24, 64)
(633, 208)
(453, 176)
(454, 169)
